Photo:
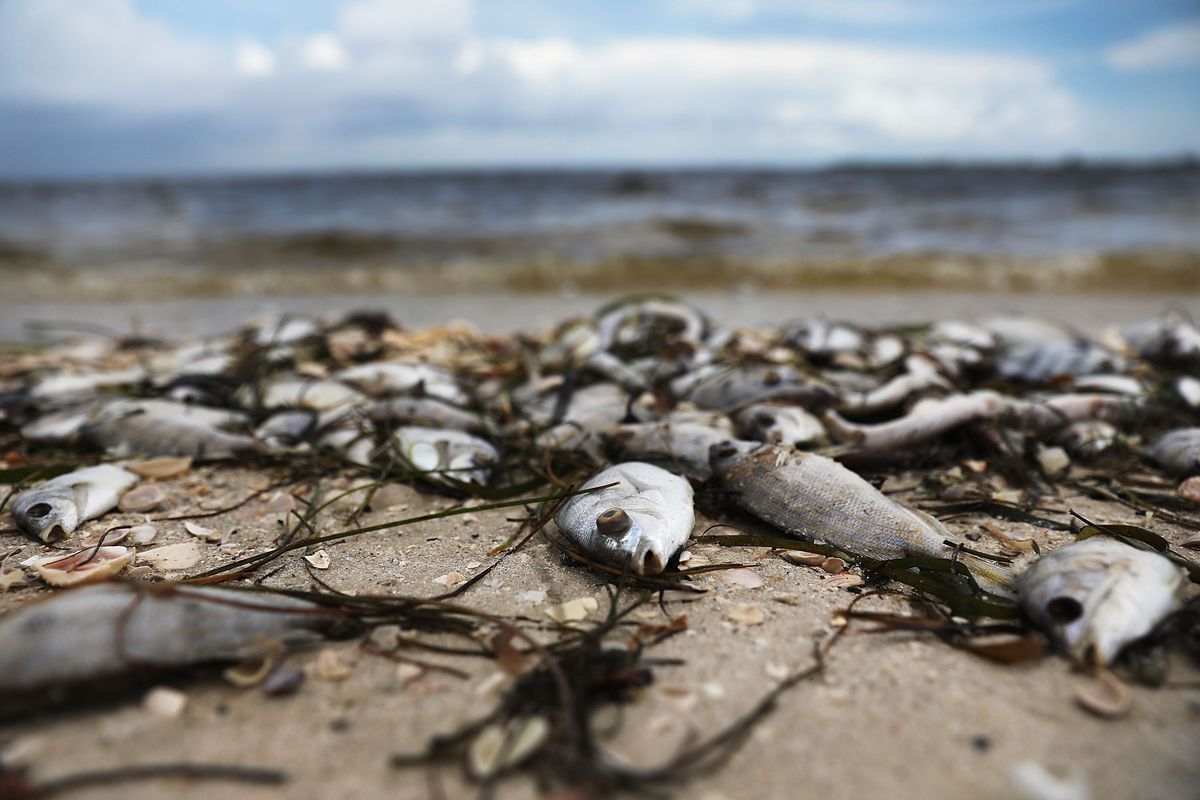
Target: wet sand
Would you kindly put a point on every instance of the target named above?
(499, 312)
(895, 715)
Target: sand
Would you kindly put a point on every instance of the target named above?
(894, 715)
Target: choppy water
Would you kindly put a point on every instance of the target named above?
(897, 226)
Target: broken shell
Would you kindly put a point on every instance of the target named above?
(500, 747)
(407, 673)
(804, 559)
(166, 467)
(843, 580)
(746, 614)
(833, 565)
(253, 672)
(162, 701)
(172, 556)
(201, 532)
(330, 667)
(142, 534)
(11, 579)
(743, 578)
(572, 610)
(1190, 488)
(1054, 461)
(319, 559)
(533, 597)
(450, 580)
(89, 564)
(1107, 697)
(142, 498)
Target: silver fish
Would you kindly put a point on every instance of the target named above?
(808, 495)
(424, 411)
(468, 457)
(1098, 595)
(143, 434)
(779, 424)
(396, 377)
(1088, 439)
(728, 388)
(1044, 361)
(1177, 451)
(681, 440)
(53, 510)
(642, 521)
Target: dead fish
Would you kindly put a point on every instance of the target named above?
(728, 388)
(1087, 439)
(53, 510)
(821, 338)
(138, 433)
(295, 391)
(645, 326)
(466, 458)
(1098, 595)
(395, 378)
(642, 521)
(779, 424)
(111, 630)
(808, 495)
(287, 428)
(1171, 340)
(1177, 451)
(682, 439)
(1044, 361)
(426, 412)
(921, 377)
(83, 383)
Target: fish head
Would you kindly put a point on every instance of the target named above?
(724, 456)
(49, 517)
(634, 537)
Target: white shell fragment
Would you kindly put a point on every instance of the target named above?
(502, 746)
(173, 557)
(83, 566)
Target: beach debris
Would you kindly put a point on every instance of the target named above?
(202, 532)
(253, 671)
(1031, 780)
(575, 610)
(83, 566)
(329, 666)
(501, 746)
(52, 511)
(165, 702)
(451, 580)
(142, 498)
(173, 557)
(641, 522)
(808, 495)
(1097, 595)
(161, 468)
(319, 559)
(745, 614)
(112, 629)
(446, 456)
(1105, 696)
(1177, 451)
(12, 578)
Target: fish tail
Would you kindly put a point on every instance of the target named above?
(991, 576)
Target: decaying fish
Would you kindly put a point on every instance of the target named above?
(1088, 439)
(393, 378)
(727, 388)
(780, 424)
(138, 433)
(53, 510)
(110, 630)
(642, 521)
(808, 495)
(682, 439)
(424, 411)
(1177, 451)
(1098, 595)
(1037, 363)
(463, 457)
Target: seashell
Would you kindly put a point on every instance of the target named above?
(319, 559)
(160, 468)
(172, 557)
(745, 614)
(199, 531)
(502, 746)
(142, 498)
(82, 566)
(573, 610)
(1107, 697)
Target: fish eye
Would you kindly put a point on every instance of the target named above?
(727, 451)
(613, 522)
(772, 378)
(1064, 610)
(39, 510)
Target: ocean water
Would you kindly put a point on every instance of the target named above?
(967, 227)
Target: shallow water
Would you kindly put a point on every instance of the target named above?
(965, 227)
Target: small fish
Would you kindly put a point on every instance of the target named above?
(398, 378)
(464, 457)
(425, 411)
(681, 440)
(1045, 361)
(143, 434)
(642, 521)
(1177, 451)
(808, 495)
(295, 391)
(779, 424)
(1172, 340)
(920, 378)
(1088, 439)
(1098, 595)
(111, 630)
(728, 388)
(53, 510)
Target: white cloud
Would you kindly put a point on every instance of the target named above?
(254, 59)
(394, 21)
(323, 52)
(855, 11)
(1169, 47)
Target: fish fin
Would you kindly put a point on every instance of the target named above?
(990, 575)
(929, 518)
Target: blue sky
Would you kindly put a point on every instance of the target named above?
(107, 87)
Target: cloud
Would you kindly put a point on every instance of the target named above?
(855, 11)
(419, 84)
(254, 60)
(1174, 46)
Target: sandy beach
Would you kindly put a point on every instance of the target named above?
(899, 714)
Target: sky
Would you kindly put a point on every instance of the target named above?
(93, 88)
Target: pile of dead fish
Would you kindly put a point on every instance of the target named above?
(647, 401)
